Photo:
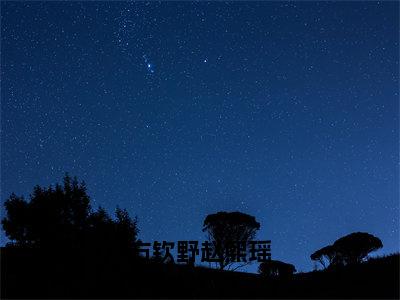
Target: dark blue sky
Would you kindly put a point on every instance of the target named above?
(287, 111)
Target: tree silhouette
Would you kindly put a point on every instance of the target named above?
(16, 225)
(226, 228)
(276, 268)
(62, 217)
(350, 249)
(53, 217)
(100, 229)
(355, 247)
(125, 229)
(325, 256)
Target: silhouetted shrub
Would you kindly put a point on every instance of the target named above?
(276, 268)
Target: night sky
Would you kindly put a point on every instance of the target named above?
(287, 111)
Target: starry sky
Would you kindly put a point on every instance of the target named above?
(287, 111)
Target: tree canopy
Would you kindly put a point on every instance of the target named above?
(62, 217)
(226, 228)
(350, 249)
(353, 248)
(324, 256)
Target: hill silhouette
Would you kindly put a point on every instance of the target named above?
(61, 248)
(32, 273)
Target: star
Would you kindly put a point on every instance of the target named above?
(149, 65)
